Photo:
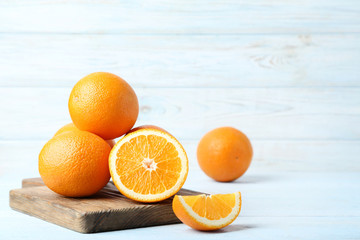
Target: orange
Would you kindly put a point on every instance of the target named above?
(104, 104)
(207, 212)
(75, 163)
(72, 127)
(148, 165)
(66, 128)
(147, 126)
(224, 154)
(111, 142)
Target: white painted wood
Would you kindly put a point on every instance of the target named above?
(275, 205)
(262, 113)
(183, 17)
(251, 228)
(285, 72)
(269, 194)
(269, 155)
(294, 60)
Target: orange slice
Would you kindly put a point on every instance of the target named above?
(148, 165)
(207, 212)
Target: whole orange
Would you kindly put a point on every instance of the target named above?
(66, 128)
(104, 104)
(75, 163)
(72, 127)
(224, 154)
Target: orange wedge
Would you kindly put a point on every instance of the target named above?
(148, 165)
(207, 212)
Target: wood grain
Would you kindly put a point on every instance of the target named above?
(285, 72)
(293, 60)
(262, 113)
(105, 211)
(36, 182)
(185, 17)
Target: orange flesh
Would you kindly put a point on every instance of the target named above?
(148, 164)
(211, 207)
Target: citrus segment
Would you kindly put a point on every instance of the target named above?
(207, 212)
(148, 165)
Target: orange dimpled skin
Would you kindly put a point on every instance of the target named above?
(224, 154)
(72, 127)
(66, 128)
(75, 163)
(104, 104)
(148, 127)
(111, 142)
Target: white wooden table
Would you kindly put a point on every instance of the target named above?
(287, 73)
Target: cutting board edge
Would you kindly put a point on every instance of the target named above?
(32, 182)
(33, 209)
(86, 222)
(30, 200)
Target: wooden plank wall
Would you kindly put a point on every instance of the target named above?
(287, 73)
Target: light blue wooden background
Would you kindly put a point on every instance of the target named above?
(287, 73)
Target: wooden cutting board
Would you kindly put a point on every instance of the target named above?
(105, 211)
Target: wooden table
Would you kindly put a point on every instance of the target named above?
(287, 73)
(277, 204)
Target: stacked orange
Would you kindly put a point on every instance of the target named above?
(75, 162)
(147, 164)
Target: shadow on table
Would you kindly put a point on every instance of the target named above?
(230, 228)
(252, 179)
(235, 228)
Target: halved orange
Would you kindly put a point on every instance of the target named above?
(207, 212)
(148, 165)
